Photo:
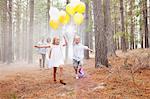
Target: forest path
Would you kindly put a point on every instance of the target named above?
(29, 82)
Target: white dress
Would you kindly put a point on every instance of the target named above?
(56, 58)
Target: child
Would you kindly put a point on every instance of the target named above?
(47, 47)
(42, 51)
(56, 57)
(78, 55)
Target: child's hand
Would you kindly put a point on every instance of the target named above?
(90, 50)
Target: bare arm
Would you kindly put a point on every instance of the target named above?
(46, 46)
(66, 43)
(90, 50)
(86, 48)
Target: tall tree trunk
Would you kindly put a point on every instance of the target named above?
(18, 31)
(4, 31)
(115, 25)
(149, 23)
(145, 16)
(24, 27)
(108, 28)
(100, 36)
(86, 39)
(48, 8)
(91, 23)
(30, 46)
(24, 37)
(132, 25)
(126, 23)
(0, 31)
(141, 32)
(10, 51)
(123, 40)
(141, 25)
(26, 53)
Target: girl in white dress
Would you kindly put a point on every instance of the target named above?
(56, 57)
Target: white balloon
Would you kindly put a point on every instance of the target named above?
(54, 17)
(54, 13)
(75, 1)
(53, 10)
(62, 12)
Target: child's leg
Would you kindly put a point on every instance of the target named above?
(80, 67)
(76, 72)
(76, 69)
(40, 60)
(54, 73)
(80, 64)
(81, 72)
(61, 74)
(75, 65)
(43, 58)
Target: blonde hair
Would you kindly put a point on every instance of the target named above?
(75, 37)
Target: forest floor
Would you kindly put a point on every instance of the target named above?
(127, 78)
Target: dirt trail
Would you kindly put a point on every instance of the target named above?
(29, 82)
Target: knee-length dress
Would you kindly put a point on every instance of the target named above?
(57, 57)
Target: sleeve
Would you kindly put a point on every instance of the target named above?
(85, 47)
(47, 44)
(38, 43)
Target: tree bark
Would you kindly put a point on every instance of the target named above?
(123, 40)
(149, 24)
(4, 31)
(108, 28)
(86, 39)
(10, 51)
(100, 36)
(24, 27)
(26, 30)
(18, 31)
(145, 16)
(48, 8)
(126, 23)
(141, 32)
(1, 31)
(115, 26)
(30, 40)
(132, 25)
(91, 23)
(141, 26)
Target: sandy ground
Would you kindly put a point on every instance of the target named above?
(121, 81)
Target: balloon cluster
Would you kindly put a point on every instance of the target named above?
(75, 8)
(58, 17)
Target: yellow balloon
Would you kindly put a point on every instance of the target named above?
(78, 18)
(67, 19)
(62, 15)
(80, 7)
(70, 9)
(64, 18)
(54, 24)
